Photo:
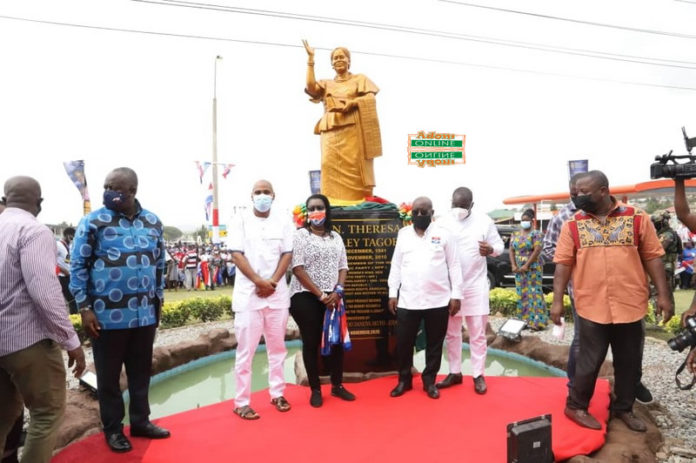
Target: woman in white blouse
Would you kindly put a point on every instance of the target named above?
(319, 267)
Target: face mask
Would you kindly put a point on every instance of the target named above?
(262, 203)
(526, 224)
(585, 203)
(421, 222)
(460, 213)
(317, 217)
(114, 200)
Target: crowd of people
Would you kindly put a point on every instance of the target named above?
(193, 267)
(119, 266)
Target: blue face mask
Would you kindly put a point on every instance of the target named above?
(114, 200)
(262, 202)
(526, 224)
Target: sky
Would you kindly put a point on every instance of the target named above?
(118, 97)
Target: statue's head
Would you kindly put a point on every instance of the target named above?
(340, 59)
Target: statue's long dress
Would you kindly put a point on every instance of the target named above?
(349, 141)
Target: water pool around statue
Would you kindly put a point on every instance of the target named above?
(211, 379)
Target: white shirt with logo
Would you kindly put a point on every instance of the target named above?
(425, 270)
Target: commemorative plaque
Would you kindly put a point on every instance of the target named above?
(369, 237)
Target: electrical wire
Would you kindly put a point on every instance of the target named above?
(577, 21)
(356, 52)
(662, 62)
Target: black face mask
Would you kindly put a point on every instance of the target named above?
(585, 203)
(421, 222)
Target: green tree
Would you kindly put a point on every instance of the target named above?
(172, 233)
(201, 233)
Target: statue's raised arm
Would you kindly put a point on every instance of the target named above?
(349, 129)
(312, 88)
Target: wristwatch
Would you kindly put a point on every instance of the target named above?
(85, 309)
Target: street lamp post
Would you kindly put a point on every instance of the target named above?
(216, 214)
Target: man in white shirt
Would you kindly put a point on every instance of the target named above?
(477, 237)
(63, 269)
(261, 246)
(427, 278)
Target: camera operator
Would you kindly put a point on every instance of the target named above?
(681, 207)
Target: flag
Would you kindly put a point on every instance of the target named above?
(227, 170)
(201, 169)
(76, 172)
(335, 329)
(209, 204)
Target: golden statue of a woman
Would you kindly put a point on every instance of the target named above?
(349, 129)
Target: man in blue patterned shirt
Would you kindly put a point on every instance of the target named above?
(117, 278)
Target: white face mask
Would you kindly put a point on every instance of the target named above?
(526, 224)
(460, 213)
(262, 202)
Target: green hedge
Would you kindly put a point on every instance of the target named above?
(205, 310)
(180, 313)
(504, 300)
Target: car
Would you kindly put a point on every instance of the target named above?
(499, 269)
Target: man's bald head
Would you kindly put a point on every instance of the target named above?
(462, 197)
(422, 202)
(260, 194)
(262, 187)
(24, 193)
(126, 175)
(124, 181)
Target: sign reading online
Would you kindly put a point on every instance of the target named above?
(435, 149)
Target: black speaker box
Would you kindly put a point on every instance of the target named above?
(529, 441)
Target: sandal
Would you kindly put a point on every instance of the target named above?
(246, 413)
(281, 404)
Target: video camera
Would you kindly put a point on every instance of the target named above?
(668, 167)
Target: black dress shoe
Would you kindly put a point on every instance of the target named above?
(118, 442)
(400, 389)
(315, 400)
(432, 391)
(342, 393)
(450, 380)
(643, 394)
(480, 385)
(150, 431)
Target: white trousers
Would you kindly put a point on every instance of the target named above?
(248, 328)
(476, 326)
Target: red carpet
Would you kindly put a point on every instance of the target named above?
(461, 426)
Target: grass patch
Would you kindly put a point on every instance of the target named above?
(682, 300)
(182, 294)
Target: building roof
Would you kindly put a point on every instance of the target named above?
(649, 189)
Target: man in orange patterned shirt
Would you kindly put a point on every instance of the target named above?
(607, 247)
